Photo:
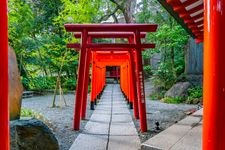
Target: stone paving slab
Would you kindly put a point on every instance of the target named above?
(121, 118)
(192, 141)
(123, 129)
(110, 127)
(184, 135)
(103, 118)
(124, 143)
(96, 128)
(90, 142)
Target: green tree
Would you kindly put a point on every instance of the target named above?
(170, 40)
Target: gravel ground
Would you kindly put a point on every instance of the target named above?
(60, 118)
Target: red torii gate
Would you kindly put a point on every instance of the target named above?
(134, 33)
(121, 59)
(214, 31)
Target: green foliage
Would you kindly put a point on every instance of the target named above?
(170, 40)
(195, 92)
(157, 95)
(147, 71)
(69, 84)
(39, 43)
(173, 100)
(194, 95)
(25, 112)
(39, 83)
(82, 11)
(164, 77)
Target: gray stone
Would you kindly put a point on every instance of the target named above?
(195, 80)
(155, 60)
(31, 134)
(194, 58)
(179, 89)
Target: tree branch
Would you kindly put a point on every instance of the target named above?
(120, 6)
(105, 17)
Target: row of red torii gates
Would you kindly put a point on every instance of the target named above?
(125, 55)
(214, 72)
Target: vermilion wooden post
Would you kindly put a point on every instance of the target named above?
(80, 81)
(4, 111)
(97, 80)
(214, 75)
(93, 80)
(86, 81)
(133, 78)
(140, 83)
(129, 85)
(104, 76)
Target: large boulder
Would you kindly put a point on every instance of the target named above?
(178, 90)
(31, 134)
(15, 86)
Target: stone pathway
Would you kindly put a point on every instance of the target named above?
(110, 126)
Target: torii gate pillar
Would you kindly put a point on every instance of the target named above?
(4, 112)
(214, 75)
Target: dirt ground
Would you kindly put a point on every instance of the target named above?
(60, 119)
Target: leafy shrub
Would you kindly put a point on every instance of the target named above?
(40, 83)
(164, 77)
(173, 100)
(194, 95)
(195, 92)
(25, 112)
(25, 82)
(147, 70)
(69, 84)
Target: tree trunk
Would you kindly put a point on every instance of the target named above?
(129, 10)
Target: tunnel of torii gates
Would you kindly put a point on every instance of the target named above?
(213, 76)
(126, 55)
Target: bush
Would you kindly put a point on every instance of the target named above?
(173, 100)
(69, 84)
(25, 112)
(195, 92)
(25, 82)
(147, 71)
(194, 95)
(164, 77)
(39, 83)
